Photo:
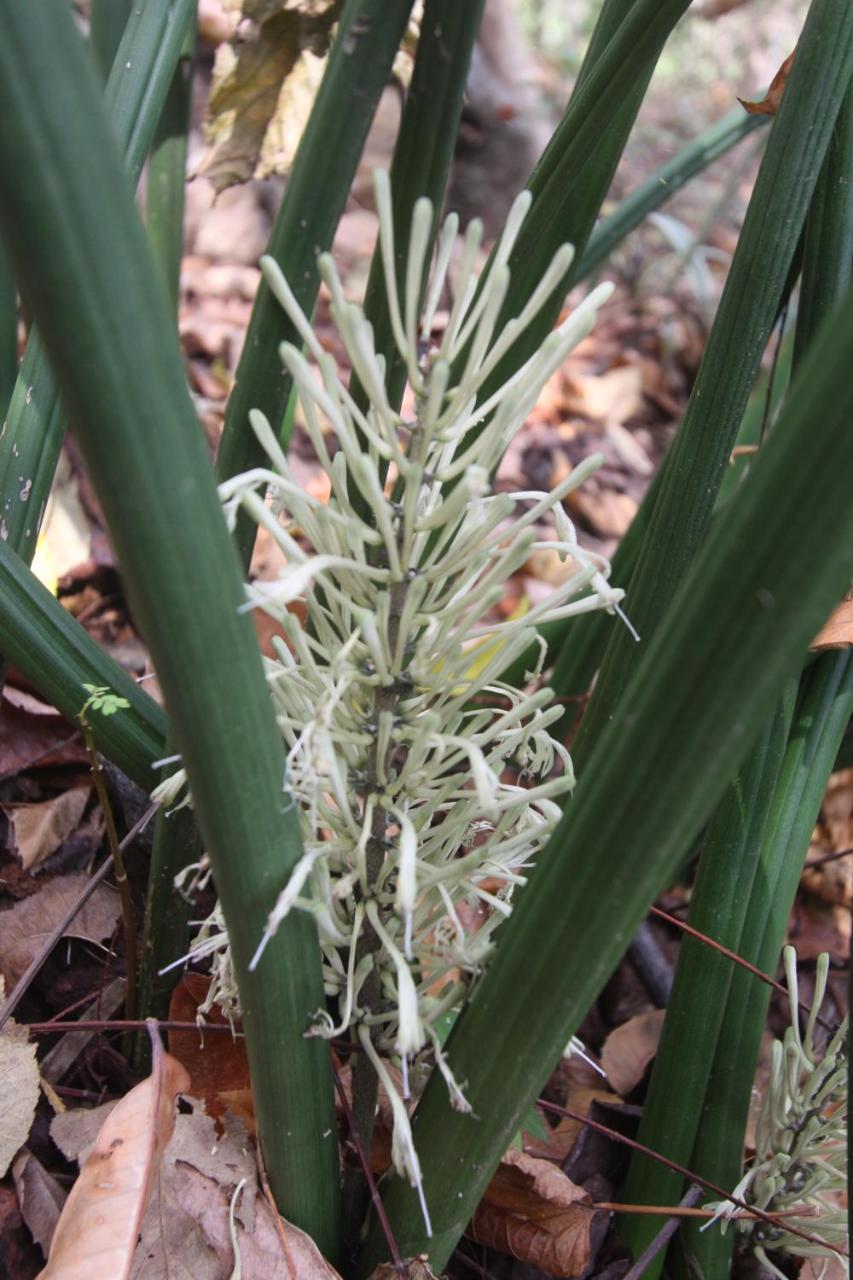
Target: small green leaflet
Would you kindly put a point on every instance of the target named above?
(102, 699)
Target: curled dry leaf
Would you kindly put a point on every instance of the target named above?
(263, 88)
(769, 104)
(532, 1211)
(19, 1088)
(29, 923)
(630, 1048)
(98, 1228)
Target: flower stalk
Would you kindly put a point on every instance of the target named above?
(421, 802)
(800, 1164)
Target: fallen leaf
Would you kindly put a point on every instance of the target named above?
(263, 88)
(769, 104)
(837, 810)
(26, 926)
(40, 1196)
(98, 1228)
(28, 738)
(16, 1250)
(217, 1064)
(61, 1057)
(39, 829)
(630, 1048)
(19, 1088)
(613, 396)
(533, 1212)
(563, 1136)
(185, 1234)
(65, 536)
(816, 927)
(832, 882)
(549, 566)
(606, 512)
(837, 633)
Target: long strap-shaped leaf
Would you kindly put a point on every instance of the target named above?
(826, 701)
(359, 65)
(712, 143)
(85, 270)
(8, 334)
(761, 585)
(167, 169)
(729, 864)
(750, 865)
(422, 159)
(134, 96)
(573, 176)
(685, 496)
(106, 28)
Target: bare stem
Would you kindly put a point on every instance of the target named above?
(122, 882)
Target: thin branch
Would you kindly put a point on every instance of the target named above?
(663, 1237)
(773, 1219)
(828, 857)
(122, 882)
(744, 964)
(375, 1197)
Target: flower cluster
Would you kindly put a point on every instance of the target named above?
(425, 784)
(800, 1163)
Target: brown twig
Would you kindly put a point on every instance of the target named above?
(279, 1221)
(23, 983)
(122, 882)
(828, 857)
(663, 1237)
(393, 1248)
(127, 1024)
(772, 1218)
(744, 964)
(683, 1211)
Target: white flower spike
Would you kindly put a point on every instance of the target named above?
(401, 735)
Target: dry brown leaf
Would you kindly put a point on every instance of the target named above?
(606, 512)
(30, 738)
(563, 1136)
(630, 1048)
(28, 924)
(19, 1088)
(40, 1198)
(612, 396)
(185, 1234)
(532, 1211)
(217, 1064)
(263, 88)
(769, 104)
(832, 882)
(837, 633)
(99, 1226)
(816, 927)
(39, 829)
